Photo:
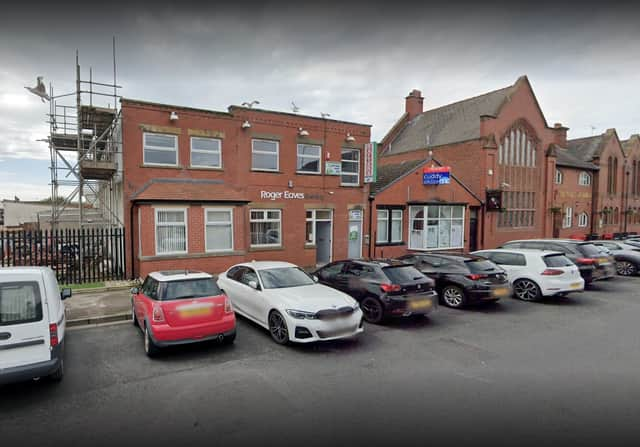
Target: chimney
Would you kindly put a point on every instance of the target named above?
(413, 103)
(560, 135)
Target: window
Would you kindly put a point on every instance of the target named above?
(331, 270)
(265, 155)
(436, 226)
(309, 159)
(609, 175)
(188, 289)
(519, 209)
(583, 219)
(150, 288)
(584, 179)
(218, 229)
(508, 258)
(206, 152)
(389, 227)
(382, 234)
(314, 216)
(517, 149)
(568, 217)
(171, 231)
(350, 167)
(160, 149)
(559, 177)
(20, 303)
(265, 228)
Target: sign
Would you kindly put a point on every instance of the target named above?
(436, 176)
(355, 214)
(332, 168)
(353, 233)
(494, 200)
(370, 162)
(273, 195)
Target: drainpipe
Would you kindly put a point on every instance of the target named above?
(133, 265)
(371, 199)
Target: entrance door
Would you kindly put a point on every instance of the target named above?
(473, 228)
(355, 234)
(323, 242)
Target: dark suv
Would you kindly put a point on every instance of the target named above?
(592, 263)
(383, 288)
(462, 279)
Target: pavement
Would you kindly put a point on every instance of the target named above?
(98, 307)
(563, 371)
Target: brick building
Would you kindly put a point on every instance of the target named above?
(631, 149)
(205, 189)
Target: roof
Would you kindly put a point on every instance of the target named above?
(179, 275)
(172, 106)
(452, 123)
(518, 250)
(628, 143)
(188, 190)
(570, 159)
(586, 148)
(573, 241)
(263, 265)
(446, 254)
(388, 174)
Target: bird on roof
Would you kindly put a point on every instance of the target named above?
(39, 89)
(250, 104)
(294, 107)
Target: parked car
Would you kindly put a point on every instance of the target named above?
(461, 279)
(627, 256)
(383, 288)
(179, 307)
(633, 241)
(32, 324)
(285, 299)
(593, 264)
(534, 273)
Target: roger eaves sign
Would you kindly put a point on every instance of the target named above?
(273, 195)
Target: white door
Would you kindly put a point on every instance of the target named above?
(24, 323)
(354, 234)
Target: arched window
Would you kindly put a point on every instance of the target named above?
(517, 148)
(609, 176)
(615, 175)
(616, 214)
(559, 177)
(584, 179)
(583, 219)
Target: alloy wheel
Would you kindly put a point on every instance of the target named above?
(372, 310)
(626, 268)
(278, 328)
(452, 296)
(526, 290)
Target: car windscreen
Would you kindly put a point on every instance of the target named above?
(480, 265)
(557, 261)
(20, 303)
(188, 288)
(589, 250)
(283, 277)
(403, 274)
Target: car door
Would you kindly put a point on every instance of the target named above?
(356, 276)
(254, 300)
(341, 278)
(515, 264)
(328, 275)
(234, 288)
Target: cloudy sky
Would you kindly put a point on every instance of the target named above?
(354, 60)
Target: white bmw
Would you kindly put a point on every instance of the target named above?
(286, 300)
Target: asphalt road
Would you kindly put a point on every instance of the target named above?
(513, 373)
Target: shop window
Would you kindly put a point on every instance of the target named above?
(206, 152)
(567, 222)
(583, 219)
(436, 227)
(308, 159)
(218, 229)
(265, 155)
(350, 167)
(584, 179)
(160, 149)
(265, 228)
(171, 231)
(559, 177)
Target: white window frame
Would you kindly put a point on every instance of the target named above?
(277, 153)
(350, 149)
(265, 219)
(203, 151)
(584, 179)
(217, 224)
(559, 177)
(567, 222)
(319, 158)
(583, 219)
(158, 148)
(400, 220)
(425, 218)
(186, 230)
(314, 219)
(386, 224)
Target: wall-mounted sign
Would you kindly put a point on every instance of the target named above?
(494, 200)
(332, 168)
(370, 162)
(274, 195)
(436, 175)
(355, 214)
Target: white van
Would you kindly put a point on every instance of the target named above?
(32, 324)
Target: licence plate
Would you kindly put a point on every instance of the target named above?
(575, 285)
(603, 260)
(197, 312)
(420, 304)
(502, 291)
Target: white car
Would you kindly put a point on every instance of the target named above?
(536, 273)
(288, 301)
(32, 324)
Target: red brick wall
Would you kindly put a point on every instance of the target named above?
(571, 194)
(633, 154)
(603, 199)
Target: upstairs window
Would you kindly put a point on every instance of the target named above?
(584, 179)
(517, 149)
(206, 152)
(308, 159)
(568, 218)
(160, 149)
(350, 167)
(559, 177)
(583, 219)
(265, 155)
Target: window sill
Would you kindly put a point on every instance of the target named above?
(149, 165)
(310, 246)
(204, 168)
(390, 244)
(191, 255)
(350, 186)
(308, 173)
(266, 171)
(254, 249)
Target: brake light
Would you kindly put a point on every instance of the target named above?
(552, 272)
(390, 287)
(157, 315)
(586, 261)
(476, 276)
(228, 308)
(53, 335)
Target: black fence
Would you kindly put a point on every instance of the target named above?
(76, 256)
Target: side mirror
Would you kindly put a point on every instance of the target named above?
(135, 291)
(254, 285)
(315, 278)
(66, 293)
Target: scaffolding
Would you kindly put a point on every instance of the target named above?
(85, 145)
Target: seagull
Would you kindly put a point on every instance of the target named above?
(250, 104)
(324, 115)
(294, 107)
(39, 89)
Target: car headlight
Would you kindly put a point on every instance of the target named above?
(301, 314)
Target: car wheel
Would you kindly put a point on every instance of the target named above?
(150, 347)
(229, 339)
(453, 296)
(526, 290)
(278, 328)
(372, 310)
(134, 320)
(626, 268)
(58, 374)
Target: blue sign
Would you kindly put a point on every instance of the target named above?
(436, 176)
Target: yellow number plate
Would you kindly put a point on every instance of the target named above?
(503, 291)
(421, 304)
(186, 313)
(575, 285)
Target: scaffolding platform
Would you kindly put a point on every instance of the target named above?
(98, 169)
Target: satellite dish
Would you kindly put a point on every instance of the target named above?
(39, 89)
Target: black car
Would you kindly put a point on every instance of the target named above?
(383, 288)
(627, 256)
(592, 263)
(462, 279)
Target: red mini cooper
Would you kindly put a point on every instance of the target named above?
(178, 307)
